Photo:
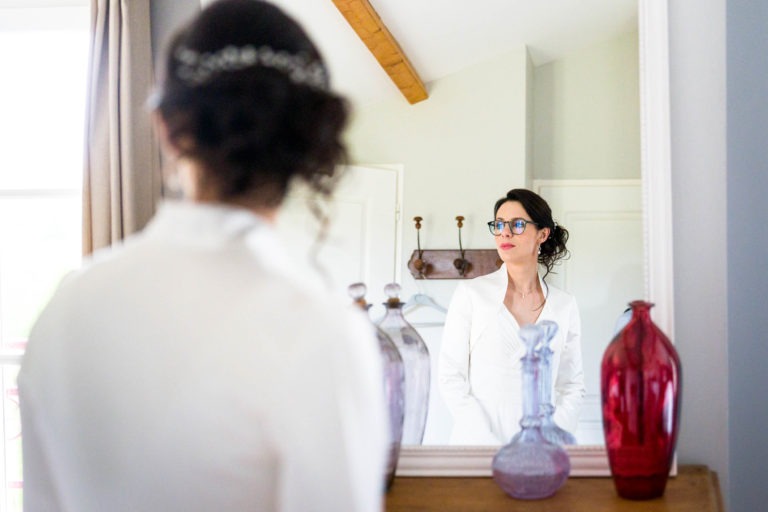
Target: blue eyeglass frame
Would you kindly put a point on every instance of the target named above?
(516, 226)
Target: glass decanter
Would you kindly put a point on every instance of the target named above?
(549, 429)
(394, 384)
(415, 356)
(530, 467)
(640, 385)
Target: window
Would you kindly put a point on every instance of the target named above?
(44, 58)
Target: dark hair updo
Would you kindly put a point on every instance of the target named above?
(553, 249)
(254, 128)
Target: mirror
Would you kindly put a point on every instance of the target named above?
(490, 173)
(656, 186)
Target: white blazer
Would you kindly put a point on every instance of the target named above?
(479, 369)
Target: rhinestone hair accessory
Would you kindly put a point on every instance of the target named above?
(199, 68)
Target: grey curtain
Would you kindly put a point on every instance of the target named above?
(122, 179)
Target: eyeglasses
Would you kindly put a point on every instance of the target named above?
(516, 226)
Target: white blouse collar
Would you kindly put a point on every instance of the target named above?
(205, 226)
(202, 224)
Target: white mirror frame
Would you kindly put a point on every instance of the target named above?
(657, 213)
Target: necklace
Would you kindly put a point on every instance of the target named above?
(524, 295)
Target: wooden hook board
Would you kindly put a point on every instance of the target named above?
(440, 263)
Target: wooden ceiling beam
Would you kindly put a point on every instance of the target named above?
(363, 19)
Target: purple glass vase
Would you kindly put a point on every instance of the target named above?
(394, 385)
(530, 467)
(640, 383)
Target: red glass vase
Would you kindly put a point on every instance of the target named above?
(640, 383)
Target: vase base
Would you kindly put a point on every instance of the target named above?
(641, 488)
(530, 487)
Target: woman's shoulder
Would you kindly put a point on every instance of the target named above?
(480, 292)
(494, 279)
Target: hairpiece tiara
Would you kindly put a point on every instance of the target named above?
(197, 69)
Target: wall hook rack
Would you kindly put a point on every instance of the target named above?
(450, 263)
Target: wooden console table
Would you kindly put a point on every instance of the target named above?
(694, 489)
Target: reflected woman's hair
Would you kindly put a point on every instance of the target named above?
(553, 249)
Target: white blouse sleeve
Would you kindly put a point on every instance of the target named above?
(471, 423)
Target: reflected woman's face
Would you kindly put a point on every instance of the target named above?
(518, 248)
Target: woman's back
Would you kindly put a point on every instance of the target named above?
(188, 372)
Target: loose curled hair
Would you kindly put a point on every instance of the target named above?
(254, 128)
(553, 249)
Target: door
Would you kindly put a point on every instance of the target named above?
(604, 272)
(362, 238)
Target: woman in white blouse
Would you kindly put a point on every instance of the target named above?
(479, 370)
(188, 369)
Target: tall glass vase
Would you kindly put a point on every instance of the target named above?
(530, 467)
(394, 385)
(551, 431)
(640, 381)
(415, 356)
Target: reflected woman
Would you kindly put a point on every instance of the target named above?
(480, 373)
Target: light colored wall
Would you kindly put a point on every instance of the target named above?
(747, 246)
(461, 149)
(167, 15)
(587, 113)
(700, 223)
(530, 73)
(719, 165)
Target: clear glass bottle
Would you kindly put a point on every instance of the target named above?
(415, 356)
(394, 384)
(551, 431)
(530, 467)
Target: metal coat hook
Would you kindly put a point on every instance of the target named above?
(419, 262)
(461, 262)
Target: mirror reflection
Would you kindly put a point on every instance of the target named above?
(567, 129)
(479, 370)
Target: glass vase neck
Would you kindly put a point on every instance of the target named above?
(391, 304)
(531, 416)
(641, 307)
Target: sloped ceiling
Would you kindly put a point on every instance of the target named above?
(441, 37)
